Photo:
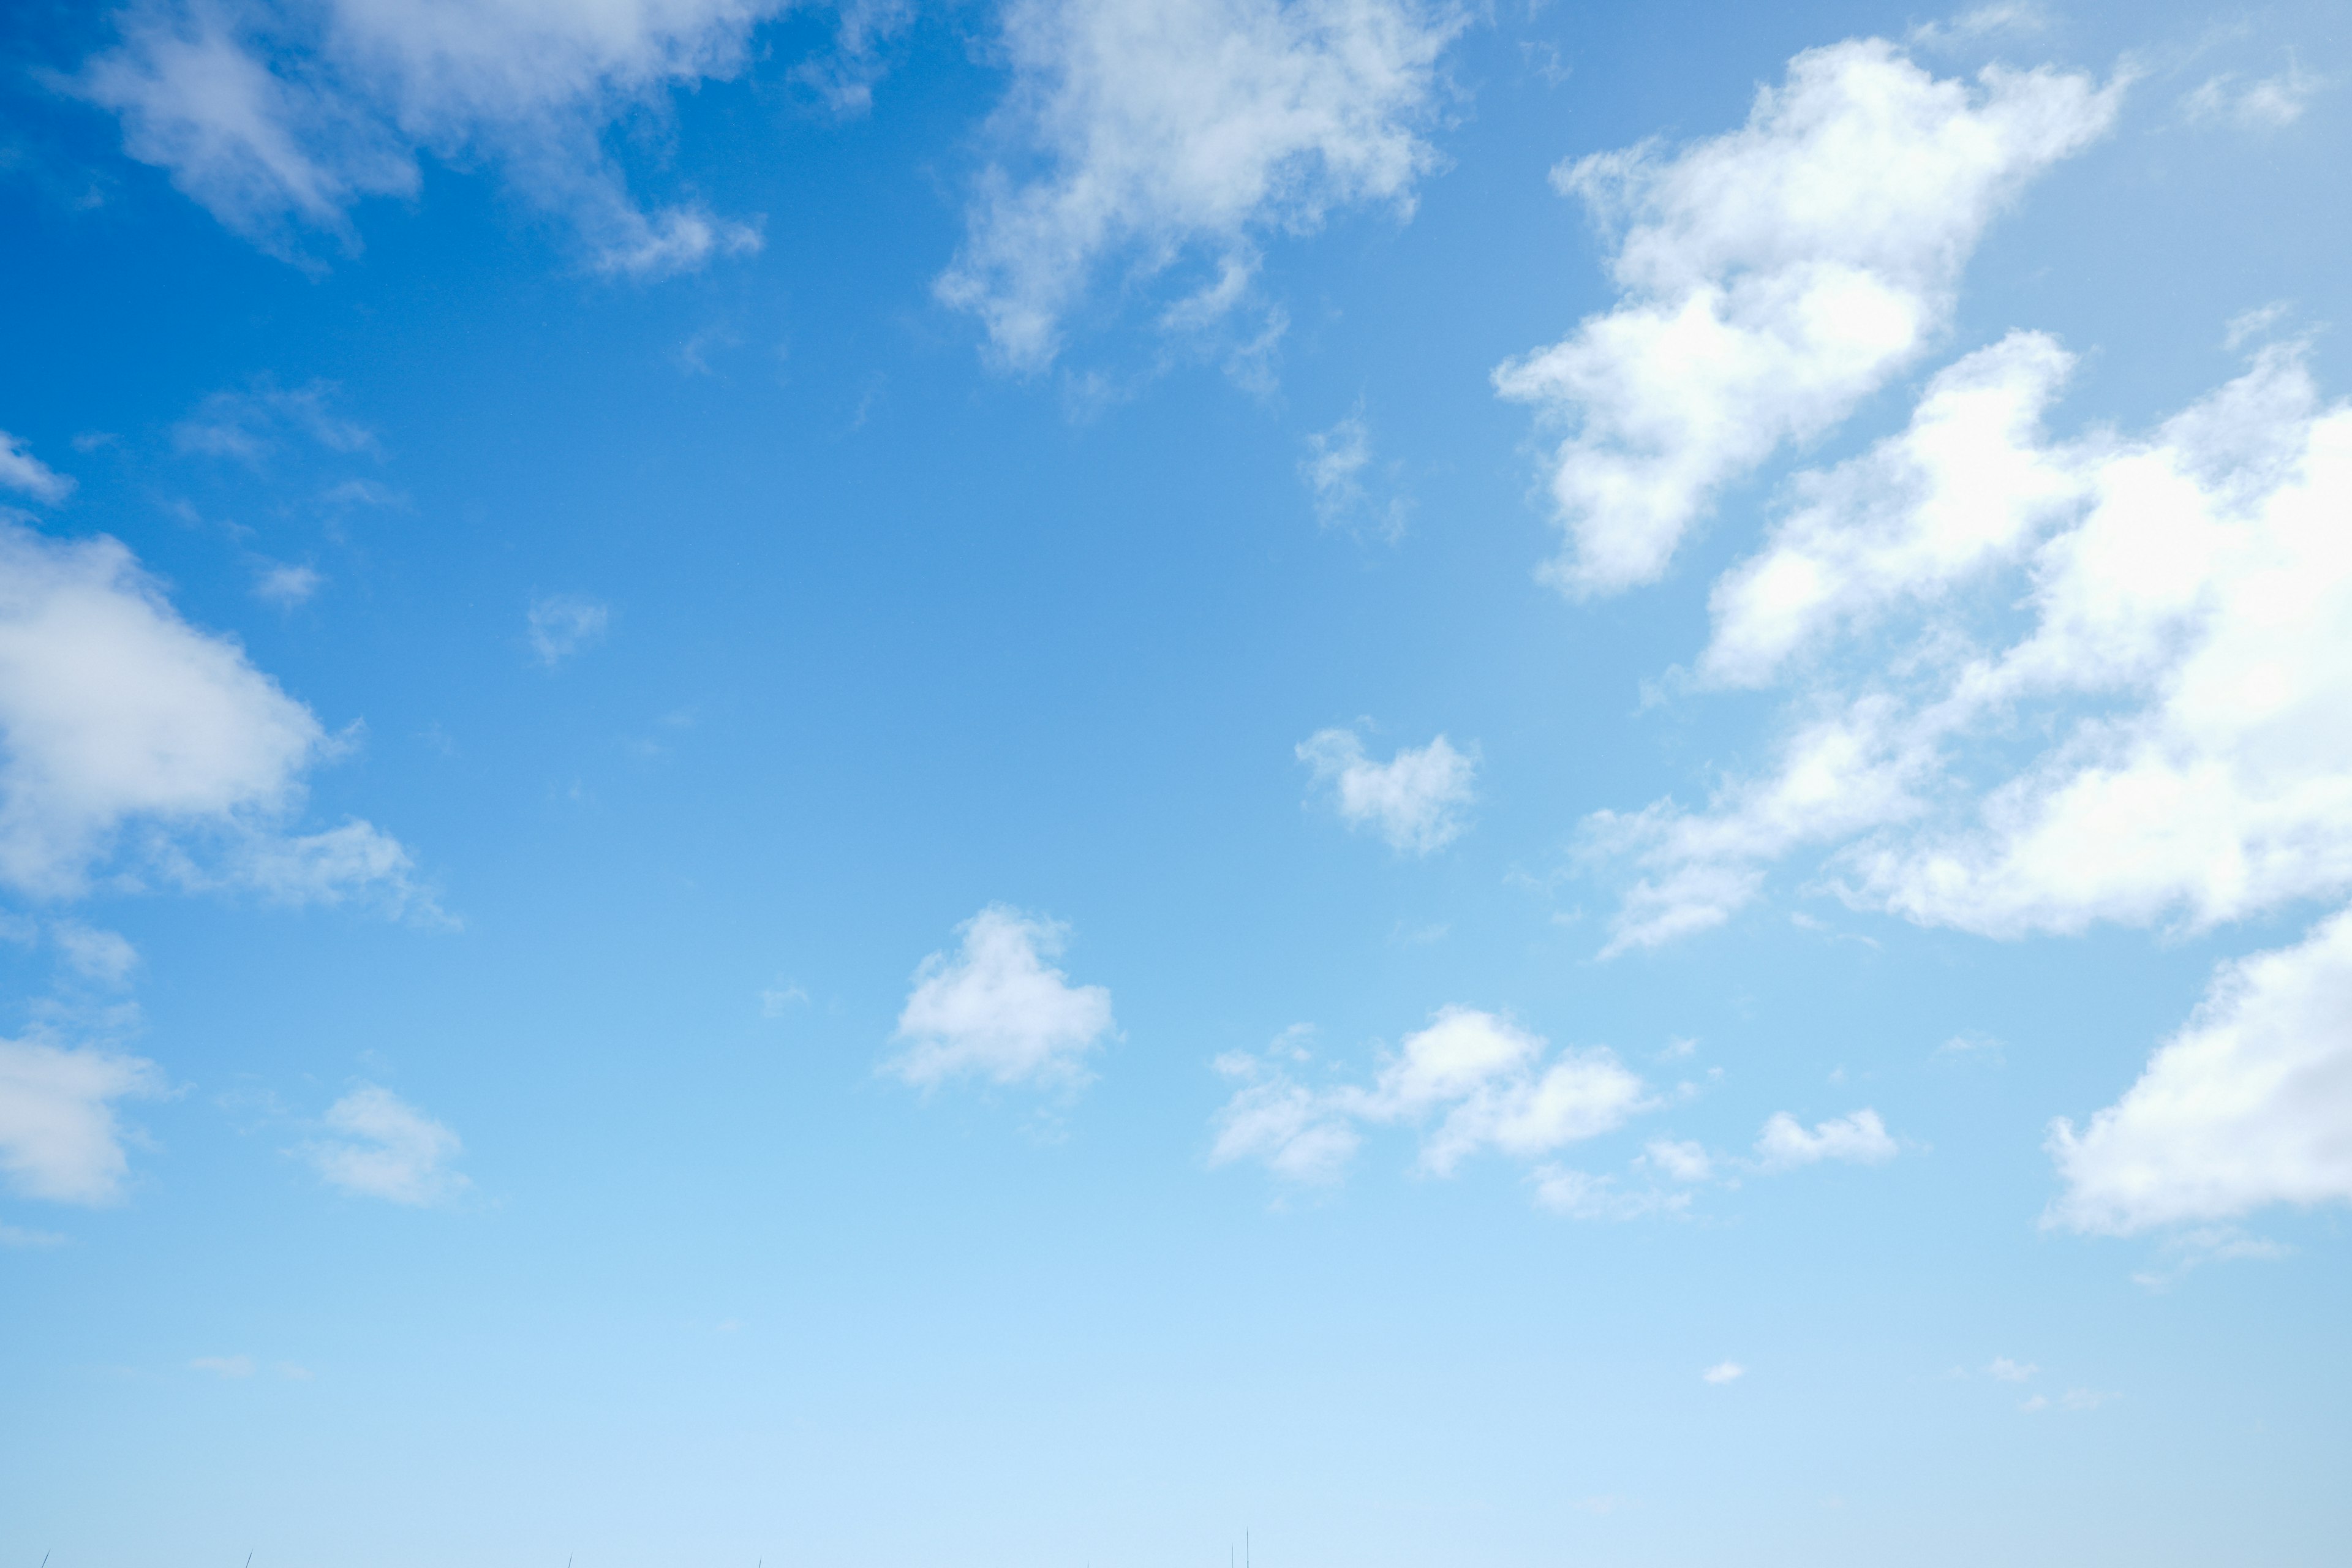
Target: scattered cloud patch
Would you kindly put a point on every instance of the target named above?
(2004, 1370)
(1860, 1138)
(1470, 1082)
(562, 624)
(2267, 104)
(1338, 463)
(2073, 1399)
(59, 1140)
(1579, 1194)
(1773, 277)
(2248, 1105)
(288, 586)
(222, 1366)
(281, 120)
(996, 1009)
(15, 1235)
(27, 474)
(1678, 1160)
(1154, 132)
(1724, 1371)
(104, 956)
(1415, 801)
(775, 1001)
(380, 1146)
(252, 425)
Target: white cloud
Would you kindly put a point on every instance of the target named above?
(58, 1137)
(281, 116)
(1415, 800)
(223, 1365)
(997, 1010)
(1471, 1081)
(2250, 1104)
(563, 624)
(2007, 1371)
(1338, 462)
(23, 472)
(252, 425)
(383, 1147)
(1579, 1194)
(1158, 130)
(775, 1001)
(1682, 1161)
(1773, 277)
(2073, 1399)
(117, 714)
(94, 954)
(280, 584)
(1860, 1138)
(2268, 103)
(1724, 1371)
(14, 1236)
(2155, 738)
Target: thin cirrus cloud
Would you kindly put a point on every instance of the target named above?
(1154, 131)
(60, 1138)
(279, 118)
(1417, 800)
(27, 474)
(1772, 278)
(997, 1010)
(136, 741)
(378, 1145)
(1469, 1082)
(1337, 464)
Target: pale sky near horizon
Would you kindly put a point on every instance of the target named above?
(1025, 783)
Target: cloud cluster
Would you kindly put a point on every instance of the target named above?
(1160, 129)
(1415, 800)
(1772, 278)
(1471, 1081)
(119, 720)
(997, 1010)
(58, 1137)
(281, 115)
(380, 1146)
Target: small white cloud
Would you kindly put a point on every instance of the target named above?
(1472, 1081)
(383, 1147)
(2250, 1104)
(280, 584)
(224, 1365)
(2268, 103)
(1773, 278)
(1338, 463)
(14, 1236)
(27, 474)
(2007, 1371)
(1724, 1371)
(1416, 800)
(249, 425)
(997, 1010)
(1579, 1194)
(1175, 130)
(562, 624)
(1860, 1138)
(58, 1136)
(104, 956)
(778, 1000)
(1681, 1162)
(292, 1373)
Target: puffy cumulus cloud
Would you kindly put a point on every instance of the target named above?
(997, 1009)
(281, 115)
(27, 474)
(1773, 277)
(2250, 1104)
(58, 1136)
(1860, 1138)
(380, 1146)
(1415, 800)
(1162, 129)
(1470, 1082)
(117, 716)
(2040, 684)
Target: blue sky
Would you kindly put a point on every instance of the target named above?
(1031, 783)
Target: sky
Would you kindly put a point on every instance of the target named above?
(1054, 782)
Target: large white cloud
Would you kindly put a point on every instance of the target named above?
(1415, 800)
(998, 1010)
(1163, 128)
(58, 1136)
(2251, 1104)
(129, 737)
(380, 1146)
(1772, 278)
(1471, 1081)
(2157, 737)
(281, 115)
